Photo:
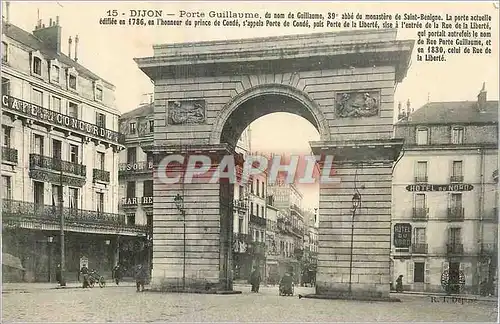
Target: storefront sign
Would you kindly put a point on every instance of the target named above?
(402, 235)
(147, 200)
(130, 201)
(40, 113)
(445, 187)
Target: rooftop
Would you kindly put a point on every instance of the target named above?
(141, 111)
(463, 112)
(31, 41)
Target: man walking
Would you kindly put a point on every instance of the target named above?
(255, 279)
(140, 277)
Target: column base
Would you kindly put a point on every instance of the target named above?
(359, 291)
(191, 285)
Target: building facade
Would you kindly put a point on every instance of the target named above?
(60, 144)
(445, 198)
(290, 226)
(135, 177)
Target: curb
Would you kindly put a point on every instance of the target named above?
(201, 292)
(356, 298)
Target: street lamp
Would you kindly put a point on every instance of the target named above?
(356, 203)
(179, 203)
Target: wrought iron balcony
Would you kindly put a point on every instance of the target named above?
(488, 249)
(100, 175)
(454, 249)
(495, 175)
(456, 178)
(38, 161)
(297, 231)
(135, 168)
(258, 220)
(420, 214)
(296, 209)
(456, 214)
(240, 205)
(421, 179)
(21, 212)
(9, 154)
(419, 248)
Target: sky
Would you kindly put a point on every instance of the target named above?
(108, 51)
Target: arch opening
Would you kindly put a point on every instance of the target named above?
(261, 101)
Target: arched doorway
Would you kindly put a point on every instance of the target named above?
(205, 95)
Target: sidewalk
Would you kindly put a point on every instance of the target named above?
(431, 294)
(34, 286)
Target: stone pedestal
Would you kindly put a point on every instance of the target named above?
(366, 167)
(200, 257)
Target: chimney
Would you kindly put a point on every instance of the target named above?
(76, 48)
(7, 11)
(481, 98)
(57, 20)
(409, 110)
(69, 46)
(50, 35)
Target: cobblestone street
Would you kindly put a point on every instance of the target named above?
(120, 304)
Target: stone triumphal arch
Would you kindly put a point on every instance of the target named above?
(206, 93)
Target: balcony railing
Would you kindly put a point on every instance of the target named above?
(488, 249)
(22, 212)
(420, 214)
(297, 231)
(257, 248)
(58, 165)
(295, 208)
(100, 175)
(419, 248)
(456, 178)
(9, 155)
(421, 179)
(456, 214)
(136, 167)
(240, 205)
(495, 175)
(454, 249)
(258, 220)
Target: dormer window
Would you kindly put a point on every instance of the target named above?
(132, 128)
(37, 66)
(457, 135)
(422, 136)
(98, 91)
(55, 73)
(72, 79)
(5, 52)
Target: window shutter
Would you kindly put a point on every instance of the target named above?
(409, 272)
(427, 275)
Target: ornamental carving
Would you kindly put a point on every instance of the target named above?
(357, 103)
(186, 112)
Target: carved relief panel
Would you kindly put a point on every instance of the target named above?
(186, 112)
(357, 103)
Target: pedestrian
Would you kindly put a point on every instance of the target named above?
(85, 273)
(140, 277)
(399, 284)
(255, 279)
(117, 273)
